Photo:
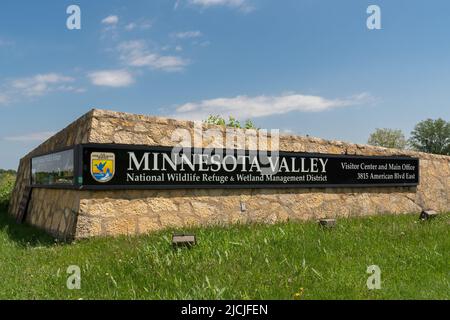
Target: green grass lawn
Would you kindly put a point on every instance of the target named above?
(238, 262)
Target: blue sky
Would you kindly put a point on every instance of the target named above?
(301, 66)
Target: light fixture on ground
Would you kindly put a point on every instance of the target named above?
(428, 214)
(184, 240)
(327, 223)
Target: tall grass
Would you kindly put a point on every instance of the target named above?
(282, 261)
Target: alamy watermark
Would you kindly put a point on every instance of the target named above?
(74, 279)
(374, 20)
(230, 146)
(74, 20)
(374, 280)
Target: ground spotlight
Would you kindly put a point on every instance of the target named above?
(184, 240)
(428, 215)
(327, 223)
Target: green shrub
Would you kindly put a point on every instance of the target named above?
(6, 188)
(232, 122)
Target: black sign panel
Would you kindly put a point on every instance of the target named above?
(110, 167)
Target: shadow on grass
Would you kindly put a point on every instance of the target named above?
(22, 234)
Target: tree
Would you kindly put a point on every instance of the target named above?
(232, 122)
(388, 138)
(432, 136)
(10, 171)
(6, 188)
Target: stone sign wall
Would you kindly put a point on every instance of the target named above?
(85, 213)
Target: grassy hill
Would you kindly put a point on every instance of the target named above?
(237, 262)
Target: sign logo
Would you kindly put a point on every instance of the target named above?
(103, 166)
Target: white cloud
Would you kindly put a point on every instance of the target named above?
(242, 5)
(31, 137)
(69, 88)
(243, 107)
(111, 78)
(187, 34)
(111, 20)
(4, 99)
(130, 26)
(5, 43)
(136, 54)
(140, 24)
(41, 84)
(208, 3)
(36, 86)
(287, 131)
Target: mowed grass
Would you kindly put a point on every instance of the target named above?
(236, 262)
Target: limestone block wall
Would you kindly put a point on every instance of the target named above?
(55, 211)
(83, 214)
(75, 133)
(141, 211)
